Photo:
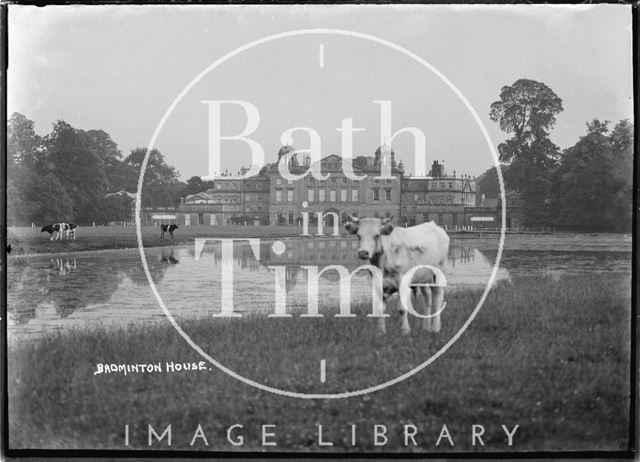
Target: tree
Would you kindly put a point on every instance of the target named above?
(194, 185)
(25, 154)
(488, 183)
(46, 199)
(116, 208)
(119, 174)
(73, 160)
(593, 185)
(527, 109)
(161, 186)
(24, 146)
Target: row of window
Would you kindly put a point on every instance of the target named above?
(212, 201)
(252, 186)
(430, 199)
(292, 218)
(332, 180)
(333, 195)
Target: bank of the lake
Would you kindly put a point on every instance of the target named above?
(28, 241)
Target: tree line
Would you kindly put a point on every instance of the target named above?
(587, 187)
(67, 174)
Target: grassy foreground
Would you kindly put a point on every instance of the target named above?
(550, 356)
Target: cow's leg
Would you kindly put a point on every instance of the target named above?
(438, 303)
(427, 323)
(378, 298)
(405, 329)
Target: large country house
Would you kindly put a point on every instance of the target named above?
(270, 199)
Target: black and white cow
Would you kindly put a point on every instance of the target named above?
(167, 228)
(54, 230)
(70, 229)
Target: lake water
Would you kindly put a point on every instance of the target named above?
(60, 291)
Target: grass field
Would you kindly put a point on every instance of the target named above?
(30, 241)
(549, 356)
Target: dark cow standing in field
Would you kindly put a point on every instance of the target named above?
(53, 230)
(397, 251)
(167, 228)
(56, 230)
(70, 229)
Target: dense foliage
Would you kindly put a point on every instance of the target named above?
(587, 187)
(67, 175)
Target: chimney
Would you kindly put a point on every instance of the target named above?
(435, 169)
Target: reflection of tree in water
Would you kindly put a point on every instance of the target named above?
(565, 261)
(92, 282)
(29, 286)
(70, 284)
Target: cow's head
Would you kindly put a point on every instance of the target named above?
(46, 228)
(369, 231)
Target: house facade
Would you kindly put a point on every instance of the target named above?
(270, 199)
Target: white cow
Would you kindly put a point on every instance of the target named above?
(396, 251)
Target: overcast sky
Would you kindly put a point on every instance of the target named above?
(118, 68)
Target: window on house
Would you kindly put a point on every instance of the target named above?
(387, 194)
(376, 194)
(289, 196)
(343, 195)
(416, 197)
(310, 195)
(332, 195)
(354, 195)
(278, 195)
(321, 195)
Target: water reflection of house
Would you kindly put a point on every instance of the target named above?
(320, 252)
(268, 198)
